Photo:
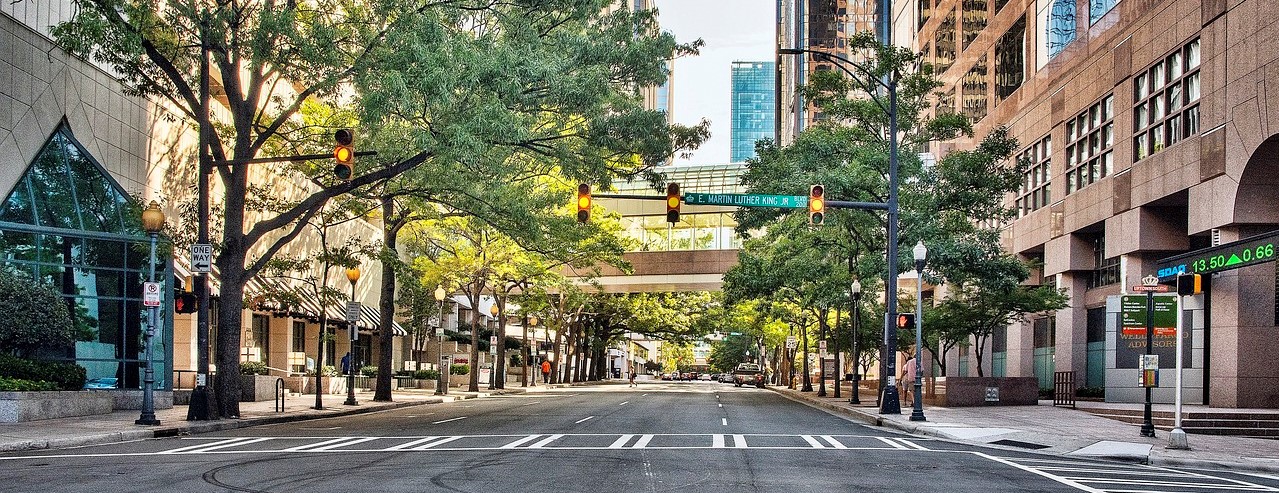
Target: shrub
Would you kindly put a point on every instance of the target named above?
(426, 374)
(253, 368)
(63, 376)
(35, 316)
(1045, 393)
(20, 385)
(368, 370)
(328, 371)
(1091, 392)
(459, 369)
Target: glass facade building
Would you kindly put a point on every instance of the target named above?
(700, 227)
(753, 107)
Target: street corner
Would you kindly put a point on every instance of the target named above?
(1115, 450)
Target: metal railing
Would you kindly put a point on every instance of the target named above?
(1064, 388)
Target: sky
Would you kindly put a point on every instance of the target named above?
(734, 30)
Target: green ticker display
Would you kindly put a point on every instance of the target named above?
(746, 200)
(1233, 255)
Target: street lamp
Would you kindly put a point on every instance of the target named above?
(353, 275)
(889, 402)
(441, 388)
(152, 223)
(855, 291)
(494, 311)
(921, 254)
(532, 322)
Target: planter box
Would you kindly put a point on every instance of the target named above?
(990, 391)
(255, 388)
(16, 407)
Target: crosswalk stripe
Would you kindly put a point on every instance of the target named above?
(521, 441)
(911, 444)
(434, 444)
(621, 441)
(346, 444)
(336, 442)
(717, 441)
(413, 443)
(812, 442)
(833, 442)
(543, 442)
(220, 444)
(643, 441)
(892, 443)
(739, 441)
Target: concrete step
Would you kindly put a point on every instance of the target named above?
(1204, 423)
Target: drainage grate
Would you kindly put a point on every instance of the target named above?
(1015, 443)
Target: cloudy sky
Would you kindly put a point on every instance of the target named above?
(734, 30)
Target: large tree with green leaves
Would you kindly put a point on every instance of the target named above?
(447, 88)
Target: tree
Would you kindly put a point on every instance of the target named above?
(36, 317)
(980, 310)
(456, 89)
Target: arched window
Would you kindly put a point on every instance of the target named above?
(1061, 26)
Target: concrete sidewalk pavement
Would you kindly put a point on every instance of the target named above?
(119, 426)
(1060, 431)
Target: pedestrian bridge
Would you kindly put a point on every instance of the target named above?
(669, 271)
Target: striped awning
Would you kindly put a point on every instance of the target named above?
(369, 319)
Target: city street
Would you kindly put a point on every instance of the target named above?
(678, 436)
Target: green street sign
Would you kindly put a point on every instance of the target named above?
(1233, 255)
(747, 200)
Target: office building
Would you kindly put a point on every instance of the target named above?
(754, 99)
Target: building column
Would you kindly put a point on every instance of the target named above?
(1072, 327)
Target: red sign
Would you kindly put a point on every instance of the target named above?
(1158, 288)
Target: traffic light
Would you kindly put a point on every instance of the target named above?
(344, 154)
(184, 302)
(583, 203)
(672, 203)
(816, 205)
(905, 320)
(1189, 284)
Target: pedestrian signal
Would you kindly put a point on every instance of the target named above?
(184, 302)
(1189, 284)
(672, 203)
(583, 203)
(816, 205)
(905, 320)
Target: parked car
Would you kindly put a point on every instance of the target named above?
(102, 383)
(725, 378)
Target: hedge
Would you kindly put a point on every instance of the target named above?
(20, 385)
(63, 376)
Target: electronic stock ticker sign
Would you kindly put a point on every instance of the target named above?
(1233, 255)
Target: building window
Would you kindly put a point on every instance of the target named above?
(1091, 135)
(299, 336)
(944, 43)
(1035, 190)
(999, 4)
(1105, 270)
(975, 14)
(1061, 26)
(1010, 60)
(975, 91)
(925, 12)
(1167, 96)
(1098, 8)
(946, 102)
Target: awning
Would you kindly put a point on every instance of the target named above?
(371, 318)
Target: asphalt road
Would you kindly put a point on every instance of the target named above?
(680, 436)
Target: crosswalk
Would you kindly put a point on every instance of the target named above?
(1104, 477)
(561, 441)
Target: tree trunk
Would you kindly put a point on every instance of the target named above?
(230, 318)
(386, 303)
(474, 380)
(803, 333)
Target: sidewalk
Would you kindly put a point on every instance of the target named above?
(1058, 430)
(119, 426)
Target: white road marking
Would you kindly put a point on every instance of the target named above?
(812, 441)
(833, 442)
(720, 405)
(892, 443)
(717, 441)
(1032, 470)
(325, 445)
(433, 444)
(327, 428)
(911, 444)
(344, 444)
(521, 441)
(414, 443)
(215, 445)
(450, 419)
(723, 421)
(583, 419)
(643, 441)
(543, 442)
(621, 441)
(739, 441)
(624, 403)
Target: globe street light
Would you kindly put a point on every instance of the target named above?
(152, 223)
(441, 388)
(353, 275)
(855, 291)
(921, 254)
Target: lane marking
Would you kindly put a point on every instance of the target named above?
(584, 419)
(739, 441)
(717, 441)
(908, 443)
(624, 403)
(521, 441)
(643, 441)
(892, 443)
(621, 441)
(413, 443)
(433, 444)
(1032, 470)
(543, 442)
(723, 421)
(720, 405)
(833, 442)
(812, 441)
(450, 419)
(324, 445)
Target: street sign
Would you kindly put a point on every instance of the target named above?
(1233, 255)
(352, 311)
(439, 332)
(352, 333)
(201, 258)
(1158, 288)
(791, 342)
(746, 200)
(492, 344)
(821, 347)
(151, 294)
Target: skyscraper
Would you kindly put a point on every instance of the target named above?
(754, 101)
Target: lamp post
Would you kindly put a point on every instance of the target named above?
(855, 292)
(921, 254)
(889, 400)
(152, 223)
(353, 275)
(535, 360)
(441, 388)
(494, 311)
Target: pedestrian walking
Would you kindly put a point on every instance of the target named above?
(546, 371)
(631, 369)
(908, 380)
(346, 363)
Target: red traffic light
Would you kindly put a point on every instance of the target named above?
(672, 203)
(583, 203)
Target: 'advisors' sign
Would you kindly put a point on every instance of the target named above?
(1131, 341)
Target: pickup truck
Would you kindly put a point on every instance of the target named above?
(748, 374)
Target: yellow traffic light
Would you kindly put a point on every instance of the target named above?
(344, 154)
(672, 203)
(816, 205)
(583, 203)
